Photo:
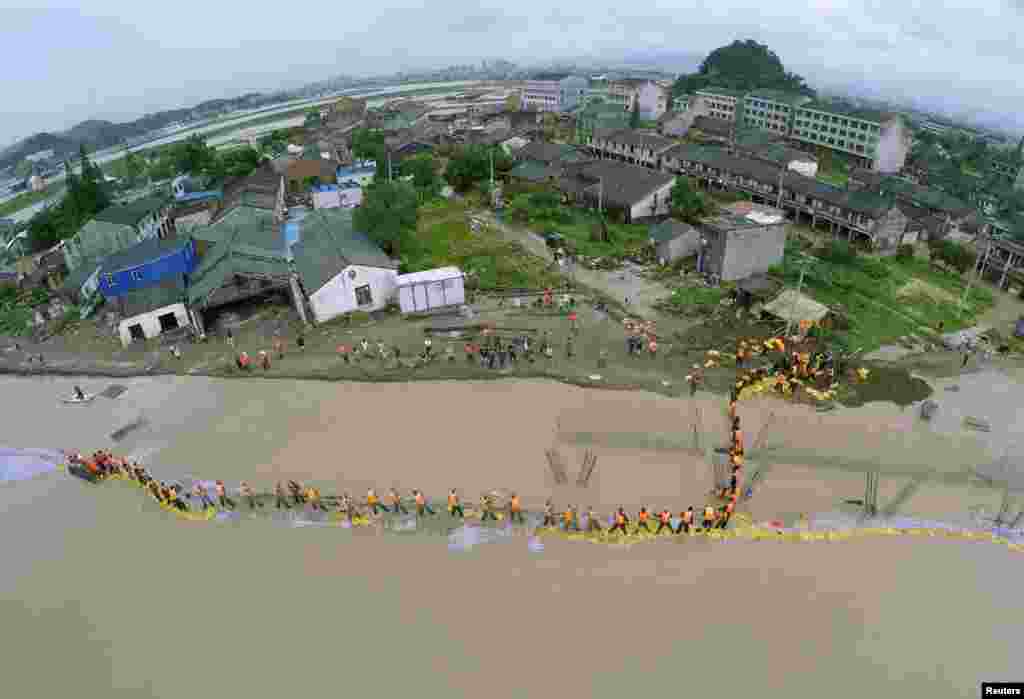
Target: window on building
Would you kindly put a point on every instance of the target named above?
(363, 295)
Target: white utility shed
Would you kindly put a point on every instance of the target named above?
(431, 289)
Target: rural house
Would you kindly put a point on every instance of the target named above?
(303, 174)
(340, 268)
(145, 264)
(740, 246)
(153, 310)
(639, 193)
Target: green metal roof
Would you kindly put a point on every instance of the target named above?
(328, 244)
(847, 110)
(239, 217)
(97, 240)
(791, 98)
(130, 214)
(668, 230)
(531, 170)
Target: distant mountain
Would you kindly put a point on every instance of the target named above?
(98, 134)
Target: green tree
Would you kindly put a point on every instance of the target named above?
(425, 178)
(688, 204)
(86, 195)
(23, 169)
(312, 120)
(469, 166)
(742, 65)
(368, 144)
(634, 115)
(388, 214)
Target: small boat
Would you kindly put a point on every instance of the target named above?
(74, 400)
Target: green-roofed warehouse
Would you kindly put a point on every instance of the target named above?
(341, 269)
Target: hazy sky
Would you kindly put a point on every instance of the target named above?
(122, 58)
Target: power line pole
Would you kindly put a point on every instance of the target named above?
(799, 287)
(977, 274)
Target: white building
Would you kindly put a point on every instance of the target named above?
(430, 290)
(341, 269)
(652, 100)
(152, 323)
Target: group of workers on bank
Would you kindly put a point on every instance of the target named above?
(790, 370)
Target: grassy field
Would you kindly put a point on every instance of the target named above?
(836, 178)
(443, 238)
(885, 299)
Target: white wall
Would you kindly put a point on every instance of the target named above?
(150, 322)
(429, 295)
(807, 168)
(184, 224)
(652, 101)
(338, 296)
(643, 209)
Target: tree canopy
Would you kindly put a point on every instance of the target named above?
(424, 173)
(471, 165)
(86, 196)
(742, 65)
(368, 144)
(388, 213)
(688, 204)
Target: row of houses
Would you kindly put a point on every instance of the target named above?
(157, 279)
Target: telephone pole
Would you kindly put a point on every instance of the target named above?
(804, 263)
(979, 268)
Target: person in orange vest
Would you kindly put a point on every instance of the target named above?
(620, 522)
(727, 514)
(396, 502)
(569, 519)
(737, 437)
(222, 496)
(421, 504)
(515, 510)
(685, 521)
(664, 520)
(373, 503)
(709, 517)
(454, 506)
(641, 520)
(593, 525)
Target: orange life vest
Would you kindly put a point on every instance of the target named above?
(642, 516)
(687, 516)
(515, 504)
(420, 500)
(567, 516)
(665, 517)
(371, 498)
(709, 512)
(453, 500)
(620, 518)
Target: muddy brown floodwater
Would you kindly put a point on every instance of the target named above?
(100, 595)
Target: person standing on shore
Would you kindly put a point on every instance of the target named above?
(727, 513)
(396, 502)
(709, 518)
(485, 508)
(620, 522)
(421, 504)
(222, 496)
(549, 515)
(664, 521)
(514, 509)
(279, 497)
(569, 519)
(454, 506)
(372, 502)
(685, 521)
(641, 520)
(592, 524)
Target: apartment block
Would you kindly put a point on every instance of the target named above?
(771, 110)
(876, 141)
(721, 103)
(554, 93)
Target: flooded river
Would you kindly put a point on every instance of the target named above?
(102, 595)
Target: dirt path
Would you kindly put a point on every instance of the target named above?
(641, 292)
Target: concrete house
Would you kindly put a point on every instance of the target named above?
(553, 93)
(719, 103)
(674, 240)
(741, 246)
(875, 140)
(652, 100)
(151, 311)
(146, 264)
(340, 268)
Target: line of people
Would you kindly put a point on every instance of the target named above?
(288, 494)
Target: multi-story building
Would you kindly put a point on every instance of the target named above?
(876, 141)
(652, 100)
(720, 102)
(771, 110)
(554, 93)
(630, 146)
(624, 92)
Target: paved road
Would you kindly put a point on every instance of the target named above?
(642, 293)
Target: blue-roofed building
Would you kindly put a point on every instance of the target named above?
(146, 264)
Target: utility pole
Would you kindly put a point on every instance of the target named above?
(389, 167)
(600, 193)
(491, 153)
(977, 273)
(799, 287)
